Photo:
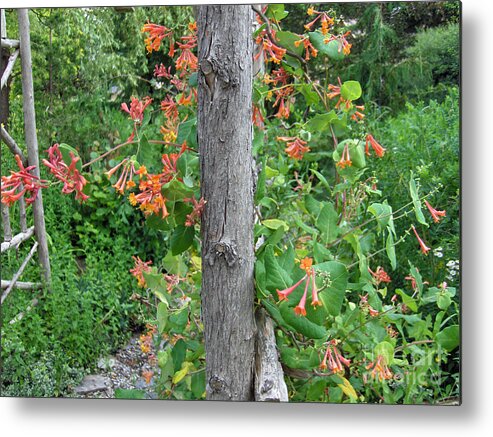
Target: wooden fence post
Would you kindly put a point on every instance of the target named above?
(31, 137)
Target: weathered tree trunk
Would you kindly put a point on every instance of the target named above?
(225, 137)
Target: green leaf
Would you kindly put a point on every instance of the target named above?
(321, 178)
(260, 193)
(178, 354)
(175, 190)
(275, 224)
(449, 338)
(181, 239)
(356, 153)
(311, 97)
(321, 122)
(274, 312)
(333, 296)
(187, 131)
(276, 12)
(300, 323)
(351, 90)
(162, 316)
(444, 301)
(193, 79)
(327, 223)
(287, 40)
(332, 49)
(174, 264)
(180, 374)
(408, 300)
(385, 349)
(382, 213)
(123, 393)
(198, 384)
(390, 249)
(416, 202)
(277, 277)
(179, 319)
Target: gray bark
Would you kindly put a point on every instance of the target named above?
(31, 138)
(269, 376)
(225, 137)
(7, 229)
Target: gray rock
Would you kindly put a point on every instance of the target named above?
(92, 383)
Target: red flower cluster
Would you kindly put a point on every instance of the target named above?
(380, 369)
(345, 160)
(68, 174)
(156, 34)
(198, 208)
(380, 275)
(272, 52)
(296, 148)
(325, 19)
(137, 108)
(138, 271)
(309, 49)
(187, 61)
(333, 359)
(306, 264)
(150, 198)
(19, 183)
(379, 150)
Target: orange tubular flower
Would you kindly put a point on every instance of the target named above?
(257, 118)
(380, 369)
(161, 71)
(283, 294)
(296, 148)
(300, 308)
(140, 267)
(333, 359)
(306, 265)
(325, 20)
(156, 34)
(170, 108)
(309, 49)
(198, 207)
(434, 213)
(345, 160)
(379, 150)
(315, 301)
(137, 108)
(424, 248)
(380, 275)
(68, 174)
(23, 181)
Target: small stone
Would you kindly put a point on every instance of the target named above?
(92, 383)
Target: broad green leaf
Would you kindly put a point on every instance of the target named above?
(287, 40)
(449, 338)
(312, 205)
(332, 49)
(382, 213)
(311, 97)
(65, 150)
(408, 300)
(356, 153)
(162, 316)
(385, 349)
(300, 323)
(351, 90)
(178, 354)
(123, 393)
(327, 223)
(198, 384)
(305, 359)
(321, 122)
(260, 192)
(444, 301)
(416, 202)
(321, 178)
(187, 131)
(277, 277)
(176, 190)
(348, 389)
(275, 223)
(174, 264)
(178, 376)
(178, 319)
(181, 239)
(274, 312)
(390, 249)
(333, 296)
(276, 12)
(316, 389)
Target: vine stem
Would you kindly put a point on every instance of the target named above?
(104, 155)
(398, 349)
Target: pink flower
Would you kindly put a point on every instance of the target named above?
(137, 108)
(434, 213)
(424, 248)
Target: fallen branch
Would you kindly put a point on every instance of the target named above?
(12, 145)
(9, 43)
(23, 285)
(19, 272)
(19, 316)
(17, 240)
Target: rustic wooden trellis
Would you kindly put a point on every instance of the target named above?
(11, 50)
